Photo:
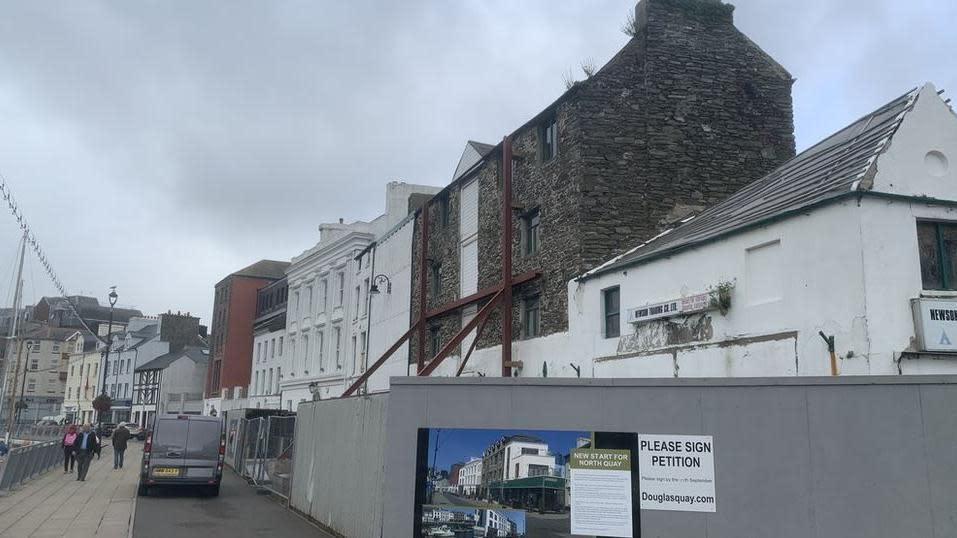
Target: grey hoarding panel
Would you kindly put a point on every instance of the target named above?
(862, 456)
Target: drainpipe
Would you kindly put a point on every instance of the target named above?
(829, 340)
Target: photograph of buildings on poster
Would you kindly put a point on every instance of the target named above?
(499, 483)
(469, 522)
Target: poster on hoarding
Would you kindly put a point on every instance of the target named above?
(676, 472)
(601, 492)
(481, 483)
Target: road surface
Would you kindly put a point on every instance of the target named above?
(238, 512)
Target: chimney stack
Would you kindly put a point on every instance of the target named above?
(651, 13)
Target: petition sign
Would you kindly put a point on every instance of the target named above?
(601, 492)
(676, 472)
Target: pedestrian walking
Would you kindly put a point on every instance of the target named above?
(69, 456)
(85, 445)
(120, 436)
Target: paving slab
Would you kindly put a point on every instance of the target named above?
(57, 504)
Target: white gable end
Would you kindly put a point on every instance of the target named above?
(921, 159)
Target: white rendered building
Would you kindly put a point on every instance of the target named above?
(327, 316)
(852, 239)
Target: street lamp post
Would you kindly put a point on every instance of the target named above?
(109, 343)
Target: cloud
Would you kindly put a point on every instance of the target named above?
(159, 146)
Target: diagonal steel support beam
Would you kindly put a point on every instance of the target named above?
(478, 334)
(385, 356)
(459, 336)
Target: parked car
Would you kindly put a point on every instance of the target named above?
(105, 429)
(133, 427)
(184, 450)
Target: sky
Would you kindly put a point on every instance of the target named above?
(159, 146)
(462, 444)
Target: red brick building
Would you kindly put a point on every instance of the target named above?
(231, 339)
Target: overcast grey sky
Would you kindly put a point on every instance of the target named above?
(158, 146)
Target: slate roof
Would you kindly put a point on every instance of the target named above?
(264, 269)
(838, 165)
(199, 355)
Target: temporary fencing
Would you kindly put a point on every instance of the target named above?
(263, 451)
(26, 462)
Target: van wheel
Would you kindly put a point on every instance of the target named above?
(143, 491)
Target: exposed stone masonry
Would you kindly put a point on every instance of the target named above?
(688, 112)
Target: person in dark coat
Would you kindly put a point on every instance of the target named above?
(120, 436)
(85, 445)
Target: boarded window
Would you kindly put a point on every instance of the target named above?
(548, 136)
(764, 273)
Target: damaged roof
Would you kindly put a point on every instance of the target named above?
(839, 164)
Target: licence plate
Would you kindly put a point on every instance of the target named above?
(165, 471)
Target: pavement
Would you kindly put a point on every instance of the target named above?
(238, 512)
(56, 504)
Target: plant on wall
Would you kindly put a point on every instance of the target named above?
(721, 296)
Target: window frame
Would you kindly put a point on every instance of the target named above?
(435, 279)
(942, 257)
(531, 232)
(605, 314)
(548, 138)
(535, 299)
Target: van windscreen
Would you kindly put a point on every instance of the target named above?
(204, 439)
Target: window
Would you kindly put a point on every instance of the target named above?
(323, 292)
(937, 244)
(71, 370)
(305, 353)
(280, 346)
(128, 364)
(531, 322)
(530, 232)
(292, 344)
(355, 311)
(548, 136)
(69, 393)
(526, 450)
(435, 340)
(363, 342)
(269, 386)
(31, 384)
(365, 304)
(308, 300)
(295, 303)
(319, 340)
(338, 336)
(610, 300)
(435, 279)
(56, 347)
(259, 351)
(279, 377)
(342, 288)
(34, 364)
(355, 350)
(126, 389)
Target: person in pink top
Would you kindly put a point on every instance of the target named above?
(69, 455)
